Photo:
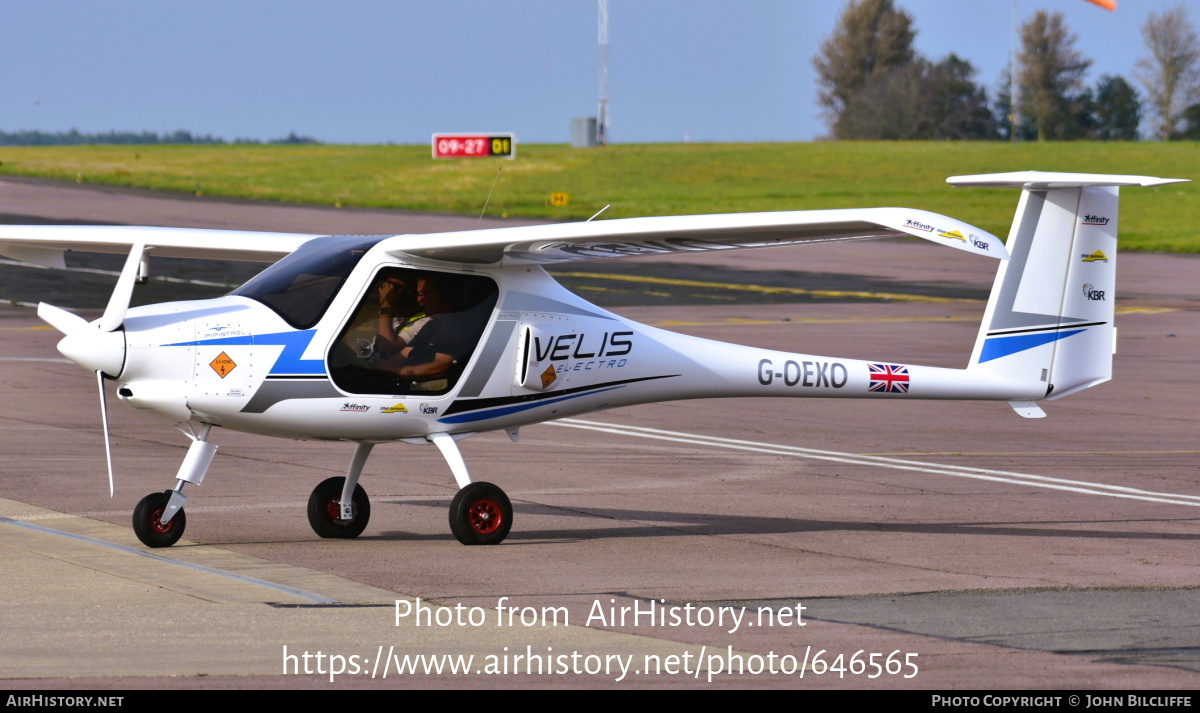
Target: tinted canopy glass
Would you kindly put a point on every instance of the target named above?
(301, 286)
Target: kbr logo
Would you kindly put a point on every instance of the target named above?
(1090, 292)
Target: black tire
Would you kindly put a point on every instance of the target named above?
(324, 510)
(148, 526)
(480, 514)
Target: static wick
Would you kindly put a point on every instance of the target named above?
(489, 196)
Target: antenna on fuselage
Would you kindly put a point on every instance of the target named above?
(489, 197)
(598, 213)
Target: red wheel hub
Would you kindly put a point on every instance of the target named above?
(157, 525)
(485, 517)
(333, 511)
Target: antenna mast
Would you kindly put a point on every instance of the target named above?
(602, 113)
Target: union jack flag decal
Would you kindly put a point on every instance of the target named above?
(888, 378)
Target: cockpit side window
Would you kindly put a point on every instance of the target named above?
(301, 286)
(413, 332)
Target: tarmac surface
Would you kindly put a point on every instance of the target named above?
(968, 548)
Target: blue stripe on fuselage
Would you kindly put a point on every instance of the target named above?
(996, 347)
(289, 361)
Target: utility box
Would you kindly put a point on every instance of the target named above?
(583, 132)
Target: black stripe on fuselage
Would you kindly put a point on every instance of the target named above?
(464, 405)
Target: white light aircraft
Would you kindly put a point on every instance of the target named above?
(428, 339)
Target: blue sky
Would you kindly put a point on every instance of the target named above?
(367, 71)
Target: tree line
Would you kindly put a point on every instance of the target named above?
(77, 138)
(874, 85)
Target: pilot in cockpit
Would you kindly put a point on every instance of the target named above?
(400, 315)
(427, 327)
(445, 342)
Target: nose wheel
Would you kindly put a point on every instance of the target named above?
(480, 514)
(148, 524)
(325, 510)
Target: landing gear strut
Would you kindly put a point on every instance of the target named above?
(158, 519)
(339, 507)
(480, 513)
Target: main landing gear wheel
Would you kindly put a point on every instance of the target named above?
(325, 510)
(148, 525)
(480, 514)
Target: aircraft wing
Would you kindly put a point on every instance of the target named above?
(631, 237)
(45, 244)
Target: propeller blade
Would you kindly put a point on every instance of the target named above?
(118, 302)
(104, 420)
(59, 318)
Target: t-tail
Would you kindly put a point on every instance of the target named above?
(1050, 315)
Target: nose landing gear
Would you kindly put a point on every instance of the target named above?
(148, 524)
(158, 519)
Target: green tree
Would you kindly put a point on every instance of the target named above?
(872, 37)
(1191, 120)
(1050, 75)
(1002, 111)
(960, 105)
(1118, 110)
(920, 100)
(1172, 75)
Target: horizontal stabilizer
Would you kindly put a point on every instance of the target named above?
(1045, 180)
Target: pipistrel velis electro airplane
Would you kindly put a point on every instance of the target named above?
(428, 339)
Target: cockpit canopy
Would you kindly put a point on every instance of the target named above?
(301, 286)
(413, 332)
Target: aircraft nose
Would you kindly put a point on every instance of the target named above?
(95, 350)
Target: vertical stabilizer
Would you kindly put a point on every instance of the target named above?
(1050, 315)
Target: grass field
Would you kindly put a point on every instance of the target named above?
(649, 179)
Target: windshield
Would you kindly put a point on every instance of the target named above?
(300, 286)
